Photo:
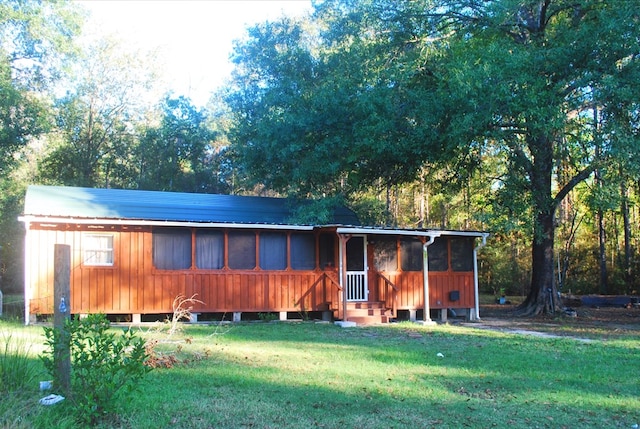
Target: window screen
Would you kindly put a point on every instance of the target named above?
(303, 251)
(242, 250)
(273, 251)
(172, 248)
(385, 255)
(411, 254)
(327, 250)
(438, 255)
(209, 249)
(462, 254)
(98, 249)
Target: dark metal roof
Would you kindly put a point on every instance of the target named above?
(91, 203)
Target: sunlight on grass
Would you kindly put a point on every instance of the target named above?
(298, 375)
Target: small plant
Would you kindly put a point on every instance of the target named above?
(104, 366)
(182, 307)
(267, 317)
(17, 370)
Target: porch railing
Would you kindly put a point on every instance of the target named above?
(390, 293)
(356, 287)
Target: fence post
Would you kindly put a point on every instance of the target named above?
(61, 313)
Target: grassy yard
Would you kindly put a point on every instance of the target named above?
(302, 375)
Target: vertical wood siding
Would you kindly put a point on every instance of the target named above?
(132, 285)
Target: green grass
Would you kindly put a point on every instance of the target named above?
(301, 375)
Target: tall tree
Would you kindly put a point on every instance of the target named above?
(36, 39)
(392, 84)
(96, 118)
(178, 155)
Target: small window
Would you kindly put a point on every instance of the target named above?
(462, 254)
(98, 250)
(303, 251)
(242, 250)
(411, 254)
(385, 256)
(209, 249)
(438, 255)
(172, 248)
(273, 251)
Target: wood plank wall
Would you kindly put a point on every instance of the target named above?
(132, 285)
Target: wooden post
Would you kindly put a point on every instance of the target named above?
(61, 313)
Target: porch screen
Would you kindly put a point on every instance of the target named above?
(172, 248)
(462, 254)
(327, 251)
(242, 250)
(209, 249)
(273, 251)
(385, 256)
(438, 255)
(303, 251)
(411, 254)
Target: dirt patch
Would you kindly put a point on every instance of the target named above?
(588, 322)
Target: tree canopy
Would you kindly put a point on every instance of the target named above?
(376, 89)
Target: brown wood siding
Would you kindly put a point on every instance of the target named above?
(411, 289)
(132, 285)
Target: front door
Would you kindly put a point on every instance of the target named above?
(357, 284)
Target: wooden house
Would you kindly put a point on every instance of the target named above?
(134, 252)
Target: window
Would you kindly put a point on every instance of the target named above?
(303, 251)
(242, 250)
(98, 250)
(462, 254)
(385, 255)
(172, 248)
(411, 254)
(209, 249)
(273, 251)
(438, 255)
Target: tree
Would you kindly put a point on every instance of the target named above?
(391, 85)
(96, 118)
(178, 154)
(36, 40)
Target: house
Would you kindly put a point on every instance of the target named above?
(134, 252)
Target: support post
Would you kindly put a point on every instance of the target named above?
(425, 273)
(61, 314)
(476, 292)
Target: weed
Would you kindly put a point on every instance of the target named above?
(17, 369)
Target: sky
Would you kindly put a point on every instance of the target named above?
(194, 38)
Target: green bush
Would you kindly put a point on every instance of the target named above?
(104, 366)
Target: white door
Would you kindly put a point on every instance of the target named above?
(357, 285)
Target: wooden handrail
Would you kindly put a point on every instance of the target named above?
(332, 281)
(394, 294)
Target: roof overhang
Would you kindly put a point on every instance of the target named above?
(140, 222)
(408, 232)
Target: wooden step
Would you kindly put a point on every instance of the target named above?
(368, 313)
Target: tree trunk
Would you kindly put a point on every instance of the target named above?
(542, 297)
(624, 191)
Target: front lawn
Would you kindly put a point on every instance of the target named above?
(302, 375)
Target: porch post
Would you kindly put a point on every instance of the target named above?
(342, 251)
(475, 276)
(425, 275)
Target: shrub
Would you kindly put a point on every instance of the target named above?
(104, 366)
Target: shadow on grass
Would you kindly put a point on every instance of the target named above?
(305, 375)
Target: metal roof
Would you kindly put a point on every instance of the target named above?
(119, 204)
